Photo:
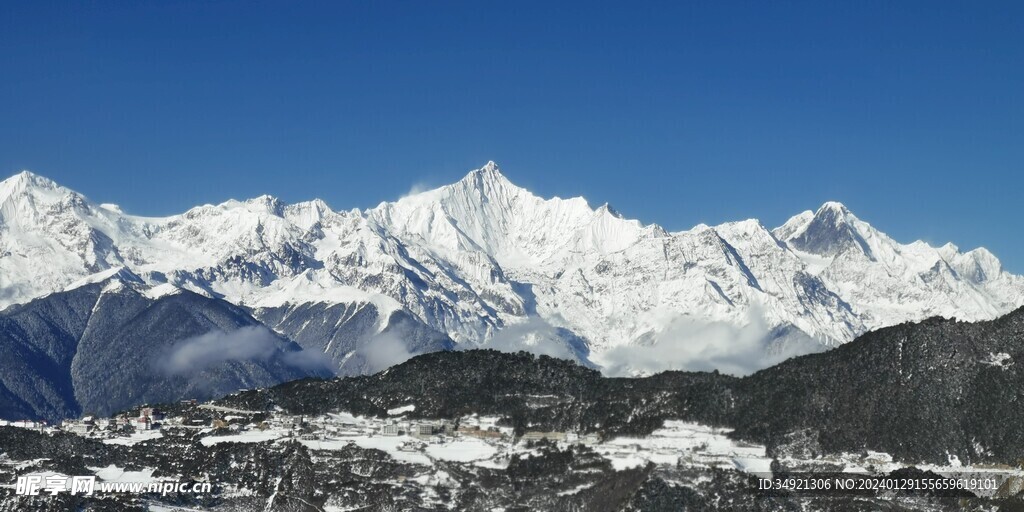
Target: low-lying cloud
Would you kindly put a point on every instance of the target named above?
(250, 343)
(687, 343)
(309, 361)
(698, 345)
(538, 336)
(383, 351)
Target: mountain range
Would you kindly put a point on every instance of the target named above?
(485, 263)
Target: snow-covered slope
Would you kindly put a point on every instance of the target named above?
(482, 261)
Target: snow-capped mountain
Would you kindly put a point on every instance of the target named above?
(484, 262)
(887, 282)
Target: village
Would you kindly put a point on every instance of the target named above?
(470, 439)
(222, 424)
(473, 439)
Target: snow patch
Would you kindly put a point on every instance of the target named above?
(1001, 360)
(401, 410)
(251, 436)
(113, 473)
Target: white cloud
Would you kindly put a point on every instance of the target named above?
(697, 345)
(251, 343)
(537, 336)
(383, 351)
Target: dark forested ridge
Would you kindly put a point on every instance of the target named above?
(957, 381)
(920, 391)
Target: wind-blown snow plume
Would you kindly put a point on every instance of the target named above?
(417, 188)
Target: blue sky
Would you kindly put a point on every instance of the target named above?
(911, 113)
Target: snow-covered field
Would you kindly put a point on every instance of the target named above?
(689, 443)
(463, 450)
(134, 438)
(388, 444)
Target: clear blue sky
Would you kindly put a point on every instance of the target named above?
(679, 112)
